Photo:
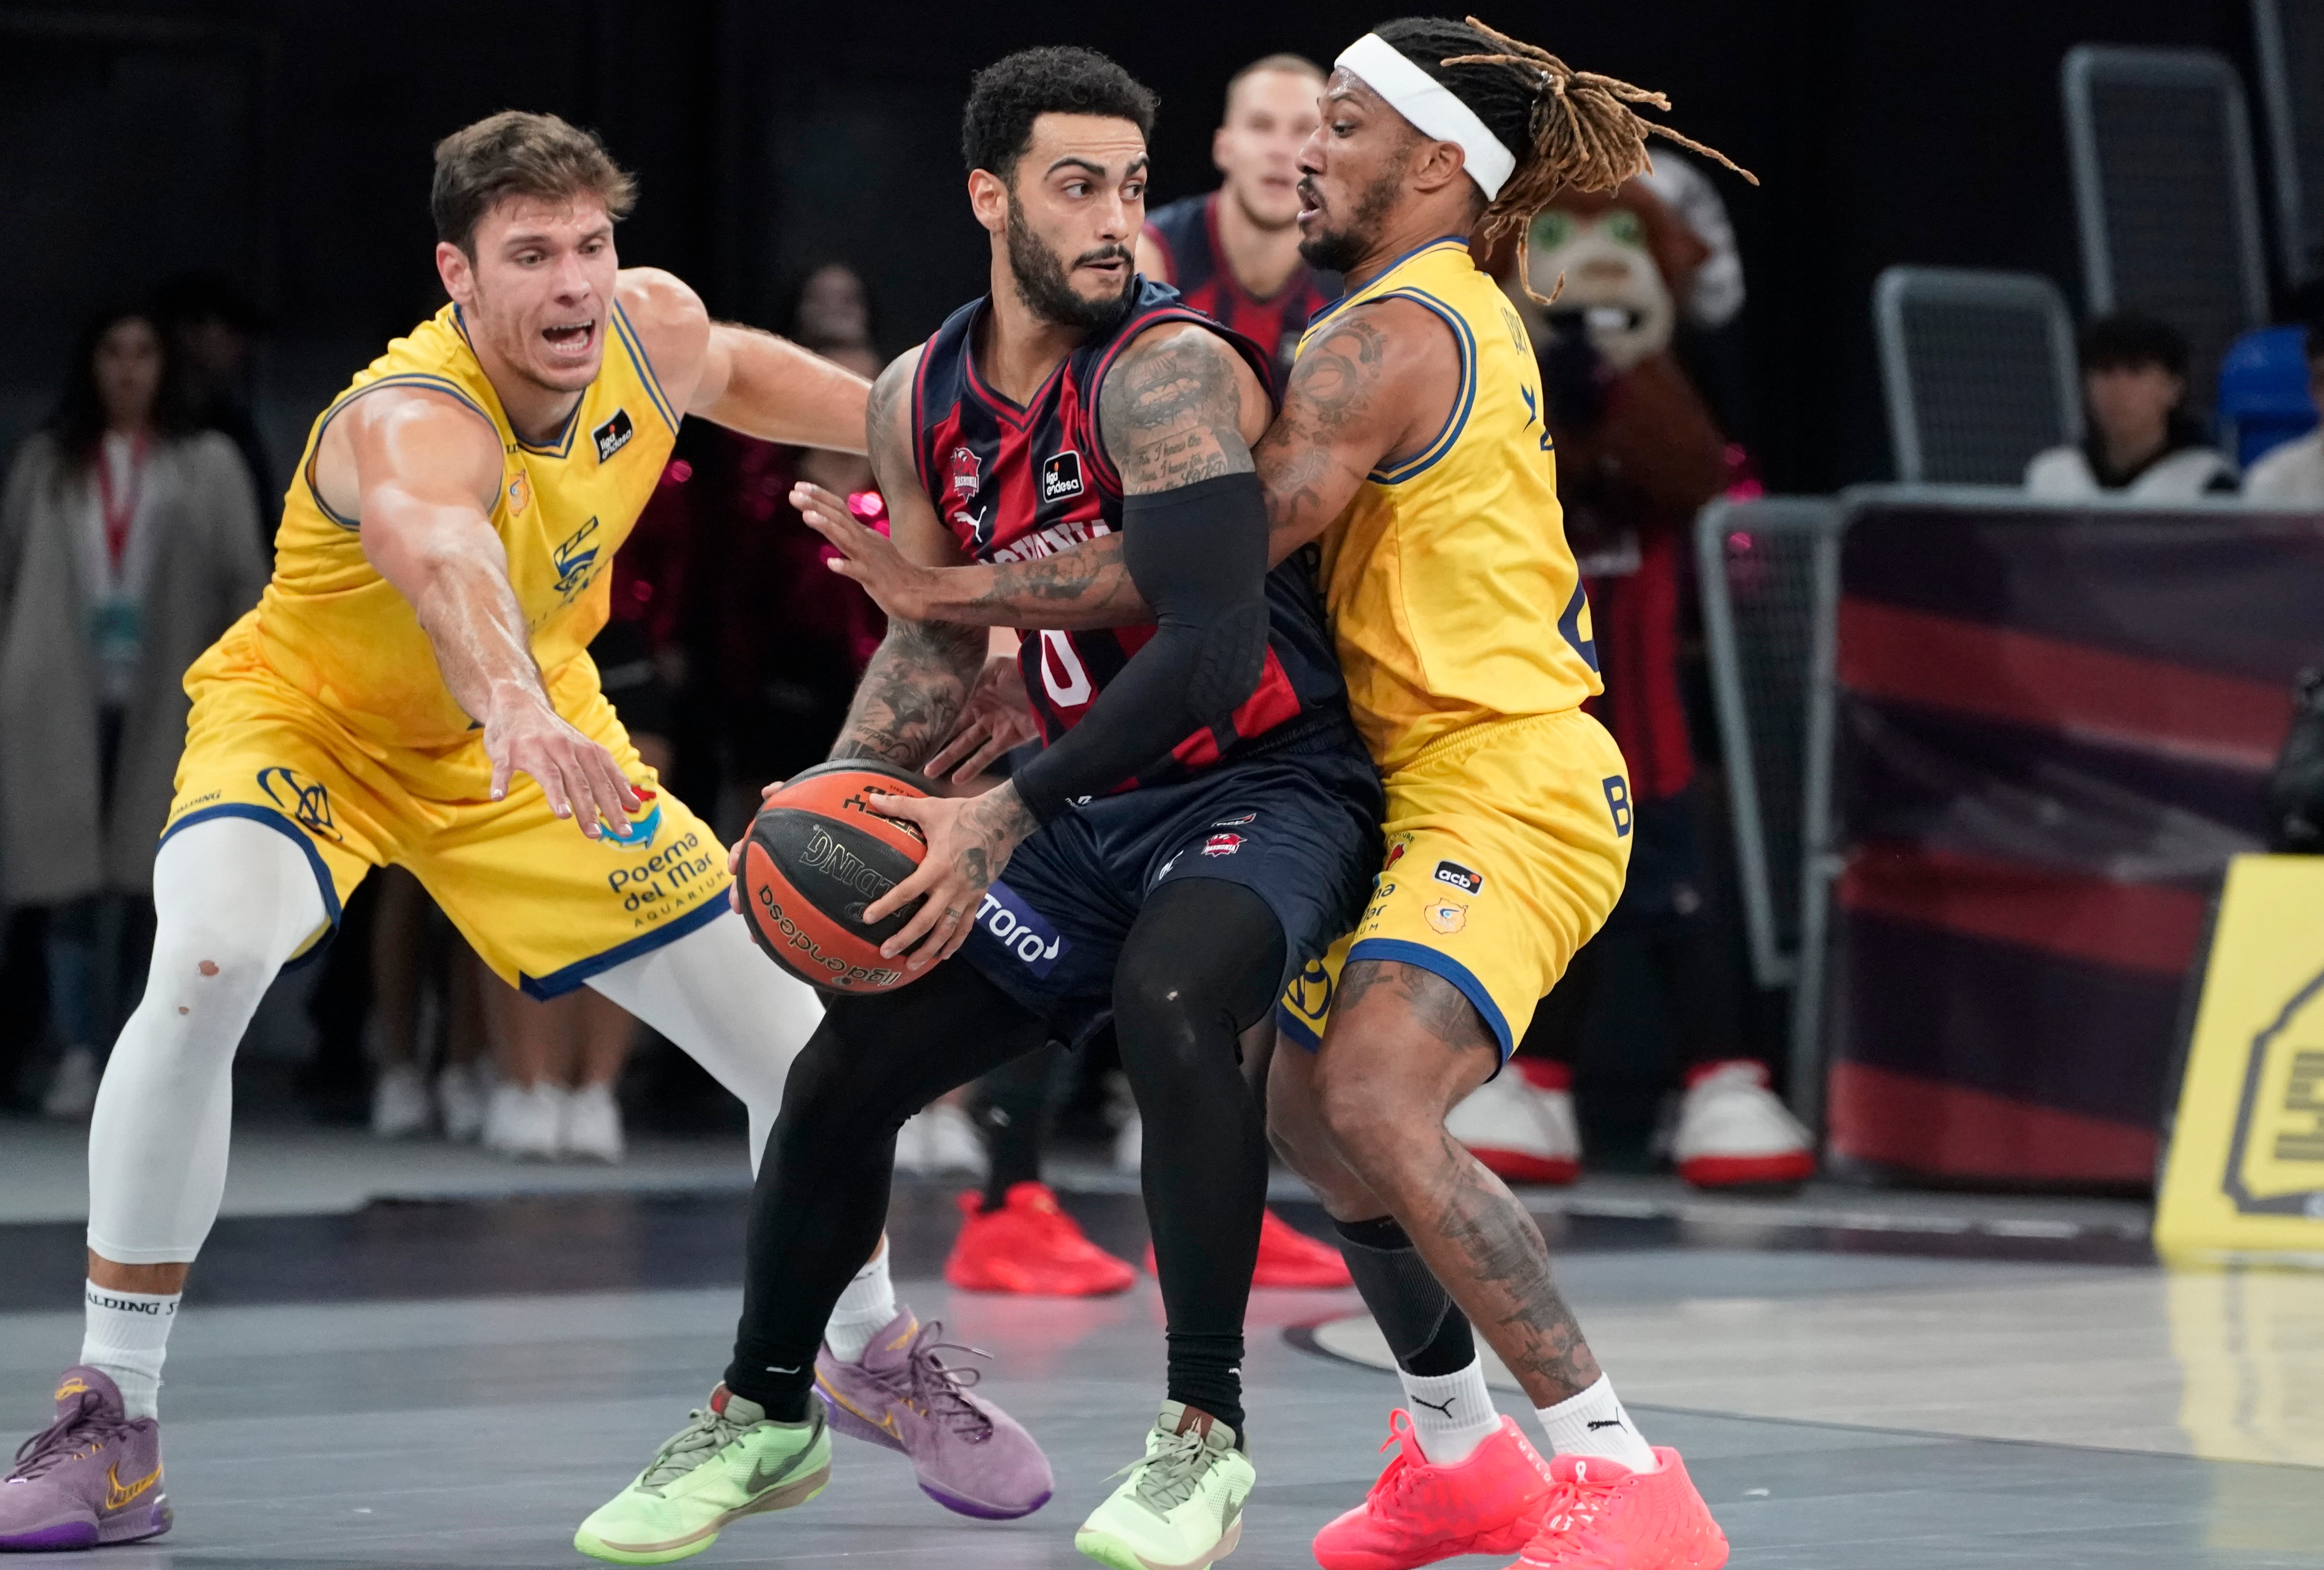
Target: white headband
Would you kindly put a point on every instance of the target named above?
(1431, 108)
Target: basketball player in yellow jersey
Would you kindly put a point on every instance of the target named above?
(1411, 445)
(413, 688)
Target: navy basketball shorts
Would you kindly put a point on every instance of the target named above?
(1298, 826)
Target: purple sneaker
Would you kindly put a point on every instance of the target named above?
(92, 1476)
(969, 1454)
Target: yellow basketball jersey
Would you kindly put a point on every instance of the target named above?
(333, 628)
(1454, 598)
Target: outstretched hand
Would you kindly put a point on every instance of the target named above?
(579, 776)
(899, 586)
(970, 840)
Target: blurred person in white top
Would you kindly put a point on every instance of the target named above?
(2143, 443)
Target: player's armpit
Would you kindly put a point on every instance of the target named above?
(1381, 381)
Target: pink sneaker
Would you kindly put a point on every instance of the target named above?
(92, 1476)
(1419, 1513)
(968, 1454)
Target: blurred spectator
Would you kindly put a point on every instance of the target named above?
(2142, 441)
(559, 1060)
(128, 543)
(211, 328)
(2292, 475)
(425, 984)
(833, 310)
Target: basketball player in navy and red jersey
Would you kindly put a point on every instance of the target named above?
(1201, 822)
(1233, 254)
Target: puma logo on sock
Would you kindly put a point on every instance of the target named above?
(1606, 1423)
(1445, 1407)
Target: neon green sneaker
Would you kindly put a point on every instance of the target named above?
(1182, 1507)
(731, 1461)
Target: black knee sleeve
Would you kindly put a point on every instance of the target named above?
(1427, 1334)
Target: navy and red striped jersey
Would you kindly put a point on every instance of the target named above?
(1187, 232)
(1013, 483)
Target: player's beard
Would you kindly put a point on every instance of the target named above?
(1341, 250)
(1042, 285)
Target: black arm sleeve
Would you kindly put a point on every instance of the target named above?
(1198, 554)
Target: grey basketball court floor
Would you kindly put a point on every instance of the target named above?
(1911, 1383)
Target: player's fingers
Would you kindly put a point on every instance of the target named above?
(924, 876)
(955, 923)
(985, 758)
(767, 791)
(911, 809)
(502, 769)
(611, 786)
(972, 732)
(580, 790)
(944, 914)
(544, 770)
(915, 931)
(832, 521)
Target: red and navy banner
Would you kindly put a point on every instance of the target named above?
(2053, 729)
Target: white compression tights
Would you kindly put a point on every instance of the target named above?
(234, 900)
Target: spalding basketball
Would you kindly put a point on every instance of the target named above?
(815, 856)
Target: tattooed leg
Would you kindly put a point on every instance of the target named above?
(1403, 1047)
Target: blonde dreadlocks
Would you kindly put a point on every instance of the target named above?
(1580, 129)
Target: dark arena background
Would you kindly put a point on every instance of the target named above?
(1931, 1143)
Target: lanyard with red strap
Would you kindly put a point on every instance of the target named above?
(120, 511)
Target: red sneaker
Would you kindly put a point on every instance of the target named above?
(1418, 1514)
(1288, 1257)
(1603, 1516)
(1031, 1247)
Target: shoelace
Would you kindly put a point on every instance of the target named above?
(1574, 1507)
(1165, 1477)
(1399, 1475)
(84, 1428)
(708, 1433)
(936, 1390)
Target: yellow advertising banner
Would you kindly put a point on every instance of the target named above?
(2245, 1174)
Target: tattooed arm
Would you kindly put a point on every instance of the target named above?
(1377, 386)
(1175, 412)
(921, 677)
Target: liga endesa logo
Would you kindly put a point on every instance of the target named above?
(837, 972)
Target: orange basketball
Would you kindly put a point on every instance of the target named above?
(817, 854)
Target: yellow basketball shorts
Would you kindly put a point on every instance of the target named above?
(542, 905)
(1506, 846)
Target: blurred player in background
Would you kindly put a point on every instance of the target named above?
(413, 688)
(1235, 254)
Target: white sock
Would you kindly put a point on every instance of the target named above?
(1452, 1413)
(125, 1336)
(866, 1308)
(1594, 1423)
